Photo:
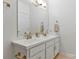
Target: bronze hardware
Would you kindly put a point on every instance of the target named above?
(28, 35)
(19, 56)
(37, 34)
(24, 57)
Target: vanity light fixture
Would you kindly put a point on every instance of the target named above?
(41, 3)
(7, 2)
(35, 2)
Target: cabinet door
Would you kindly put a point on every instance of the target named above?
(56, 48)
(40, 55)
(50, 53)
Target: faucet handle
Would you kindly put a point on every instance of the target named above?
(30, 34)
(25, 35)
(24, 57)
(18, 54)
(37, 34)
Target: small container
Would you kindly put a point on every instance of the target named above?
(37, 34)
(56, 27)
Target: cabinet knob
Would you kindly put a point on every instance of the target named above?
(19, 56)
(40, 57)
(24, 57)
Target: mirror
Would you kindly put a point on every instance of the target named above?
(31, 14)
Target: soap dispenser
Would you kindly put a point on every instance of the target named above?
(42, 27)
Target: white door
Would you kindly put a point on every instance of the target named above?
(39, 55)
(50, 53)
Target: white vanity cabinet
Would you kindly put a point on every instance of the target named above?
(37, 49)
(50, 49)
(19, 52)
(56, 46)
(40, 55)
(38, 52)
(50, 53)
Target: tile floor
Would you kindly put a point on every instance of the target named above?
(61, 56)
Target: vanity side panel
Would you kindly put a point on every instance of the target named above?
(20, 50)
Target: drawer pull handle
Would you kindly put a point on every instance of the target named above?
(40, 57)
(18, 56)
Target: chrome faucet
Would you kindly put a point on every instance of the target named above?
(28, 35)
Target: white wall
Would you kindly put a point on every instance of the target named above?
(51, 15)
(9, 29)
(64, 11)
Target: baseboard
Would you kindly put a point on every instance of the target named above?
(69, 55)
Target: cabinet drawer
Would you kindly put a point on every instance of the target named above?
(40, 55)
(37, 49)
(57, 48)
(49, 43)
(50, 53)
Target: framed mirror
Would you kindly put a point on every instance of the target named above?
(31, 14)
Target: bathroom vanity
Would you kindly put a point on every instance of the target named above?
(33, 17)
(36, 48)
